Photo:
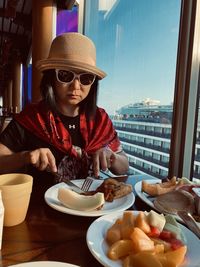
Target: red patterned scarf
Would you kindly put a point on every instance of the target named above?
(46, 125)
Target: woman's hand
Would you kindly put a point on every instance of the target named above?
(105, 158)
(102, 160)
(41, 158)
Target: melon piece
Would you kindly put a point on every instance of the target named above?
(75, 201)
(156, 220)
(127, 225)
(114, 232)
(174, 256)
(142, 223)
(141, 259)
(141, 242)
(120, 249)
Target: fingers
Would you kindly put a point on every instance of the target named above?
(52, 162)
(96, 165)
(42, 158)
(102, 160)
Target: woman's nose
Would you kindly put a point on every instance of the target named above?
(76, 83)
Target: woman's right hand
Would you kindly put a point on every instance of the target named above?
(42, 158)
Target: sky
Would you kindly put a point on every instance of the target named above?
(136, 43)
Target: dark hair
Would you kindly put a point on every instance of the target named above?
(88, 105)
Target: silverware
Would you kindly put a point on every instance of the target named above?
(120, 178)
(87, 183)
(74, 187)
(190, 222)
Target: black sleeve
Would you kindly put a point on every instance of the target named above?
(14, 137)
(18, 139)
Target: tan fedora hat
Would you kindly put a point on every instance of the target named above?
(72, 50)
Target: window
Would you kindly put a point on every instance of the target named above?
(137, 48)
(105, 23)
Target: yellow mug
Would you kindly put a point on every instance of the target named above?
(16, 190)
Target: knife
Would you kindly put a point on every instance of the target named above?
(71, 185)
(74, 187)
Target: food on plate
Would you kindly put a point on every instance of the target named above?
(142, 246)
(156, 220)
(73, 200)
(174, 195)
(159, 188)
(141, 222)
(173, 201)
(163, 187)
(114, 189)
(114, 232)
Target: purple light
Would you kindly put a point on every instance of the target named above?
(67, 21)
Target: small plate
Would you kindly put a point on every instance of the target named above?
(44, 264)
(119, 204)
(98, 246)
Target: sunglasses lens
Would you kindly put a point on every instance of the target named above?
(87, 78)
(65, 76)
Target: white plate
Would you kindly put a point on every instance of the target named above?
(148, 199)
(120, 204)
(98, 246)
(45, 264)
(142, 195)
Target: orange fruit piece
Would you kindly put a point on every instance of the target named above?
(142, 223)
(120, 249)
(141, 259)
(127, 224)
(141, 242)
(175, 257)
(114, 232)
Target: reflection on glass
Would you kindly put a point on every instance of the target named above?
(136, 45)
(196, 171)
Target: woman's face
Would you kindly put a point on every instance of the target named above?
(72, 87)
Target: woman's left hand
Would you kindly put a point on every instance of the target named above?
(102, 160)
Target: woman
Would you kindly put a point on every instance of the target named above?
(66, 128)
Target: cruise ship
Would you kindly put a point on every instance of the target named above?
(144, 129)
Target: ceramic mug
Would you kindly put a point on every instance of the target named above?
(16, 190)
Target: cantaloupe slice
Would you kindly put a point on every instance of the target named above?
(141, 242)
(166, 263)
(174, 256)
(142, 222)
(127, 225)
(120, 249)
(141, 259)
(114, 232)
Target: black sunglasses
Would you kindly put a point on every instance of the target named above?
(66, 76)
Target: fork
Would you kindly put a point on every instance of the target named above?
(87, 183)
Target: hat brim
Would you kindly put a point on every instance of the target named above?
(47, 64)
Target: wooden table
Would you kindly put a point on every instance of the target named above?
(47, 234)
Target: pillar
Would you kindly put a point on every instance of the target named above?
(16, 88)
(42, 34)
(9, 93)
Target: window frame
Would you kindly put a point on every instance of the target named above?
(185, 95)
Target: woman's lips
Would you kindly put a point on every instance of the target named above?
(74, 96)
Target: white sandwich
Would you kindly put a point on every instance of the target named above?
(73, 200)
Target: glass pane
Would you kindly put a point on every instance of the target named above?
(196, 171)
(136, 45)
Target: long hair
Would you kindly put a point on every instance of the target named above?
(47, 84)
